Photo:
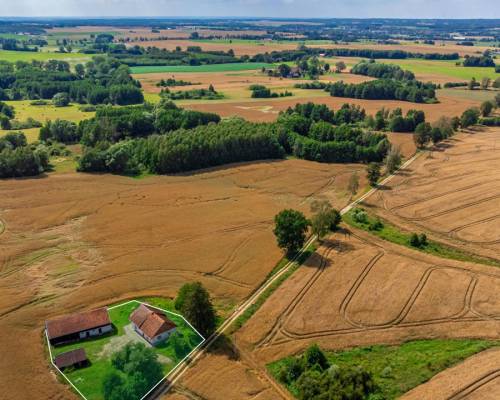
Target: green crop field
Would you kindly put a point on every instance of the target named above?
(100, 350)
(446, 69)
(199, 68)
(28, 56)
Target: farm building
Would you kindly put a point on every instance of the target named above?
(75, 358)
(79, 326)
(153, 325)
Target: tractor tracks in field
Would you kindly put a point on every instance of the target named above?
(474, 386)
(279, 334)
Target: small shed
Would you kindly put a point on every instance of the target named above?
(75, 358)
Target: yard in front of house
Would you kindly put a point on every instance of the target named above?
(100, 350)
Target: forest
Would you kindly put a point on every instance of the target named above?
(101, 81)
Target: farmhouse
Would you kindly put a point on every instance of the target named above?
(153, 325)
(79, 326)
(75, 358)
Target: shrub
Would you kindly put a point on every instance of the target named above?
(60, 99)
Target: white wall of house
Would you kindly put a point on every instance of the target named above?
(96, 332)
(160, 338)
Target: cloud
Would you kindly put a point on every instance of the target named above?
(256, 8)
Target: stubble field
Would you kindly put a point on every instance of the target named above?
(74, 241)
(359, 290)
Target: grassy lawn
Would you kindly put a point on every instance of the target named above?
(447, 69)
(392, 234)
(14, 56)
(24, 109)
(398, 369)
(199, 68)
(99, 350)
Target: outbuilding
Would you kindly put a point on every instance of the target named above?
(75, 358)
(152, 324)
(74, 327)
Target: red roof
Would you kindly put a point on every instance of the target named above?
(150, 321)
(70, 358)
(75, 323)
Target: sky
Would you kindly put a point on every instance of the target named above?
(254, 8)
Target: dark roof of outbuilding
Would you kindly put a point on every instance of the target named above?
(150, 321)
(75, 323)
(70, 358)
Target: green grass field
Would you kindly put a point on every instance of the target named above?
(398, 369)
(89, 380)
(200, 68)
(13, 56)
(446, 69)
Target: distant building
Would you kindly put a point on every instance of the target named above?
(153, 325)
(294, 72)
(79, 326)
(75, 358)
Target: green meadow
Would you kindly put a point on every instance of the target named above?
(13, 56)
(398, 369)
(446, 69)
(199, 68)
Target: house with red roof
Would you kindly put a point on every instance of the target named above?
(152, 324)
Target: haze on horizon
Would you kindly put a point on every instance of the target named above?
(253, 8)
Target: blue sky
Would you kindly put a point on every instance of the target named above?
(257, 8)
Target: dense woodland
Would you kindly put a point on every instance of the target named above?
(307, 131)
(18, 159)
(101, 81)
(382, 71)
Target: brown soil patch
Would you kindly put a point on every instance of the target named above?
(454, 194)
(78, 241)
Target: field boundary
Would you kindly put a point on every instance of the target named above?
(162, 379)
(260, 290)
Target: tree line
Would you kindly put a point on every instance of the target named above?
(303, 51)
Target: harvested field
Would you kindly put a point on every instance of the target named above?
(235, 84)
(267, 110)
(359, 290)
(249, 47)
(77, 241)
(351, 293)
(240, 48)
(477, 378)
(356, 291)
(465, 211)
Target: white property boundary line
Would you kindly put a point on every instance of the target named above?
(162, 379)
